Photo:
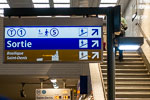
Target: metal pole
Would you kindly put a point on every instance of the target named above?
(110, 56)
(41, 80)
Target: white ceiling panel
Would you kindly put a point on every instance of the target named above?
(40, 1)
(41, 5)
(61, 5)
(109, 1)
(3, 1)
(61, 1)
(107, 5)
(4, 6)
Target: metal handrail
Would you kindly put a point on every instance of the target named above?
(142, 32)
(101, 75)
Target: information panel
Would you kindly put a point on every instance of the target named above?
(52, 43)
(53, 94)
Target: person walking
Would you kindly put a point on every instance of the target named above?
(120, 34)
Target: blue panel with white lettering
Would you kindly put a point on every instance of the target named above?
(52, 44)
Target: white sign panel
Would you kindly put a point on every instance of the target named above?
(53, 94)
(53, 32)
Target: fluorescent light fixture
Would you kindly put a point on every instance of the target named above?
(1, 15)
(101, 16)
(53, 80)
(62, 16)
(1, 11)
(107, 5)
(56, 87)
(41, 5)
(3, 1)
(109, 1)
(129, 47)
(62, 5)
(44, 16)
(40, 1)
(4, 6)
(61, 1)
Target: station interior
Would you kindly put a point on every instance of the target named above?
(75, 80)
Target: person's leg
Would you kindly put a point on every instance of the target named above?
(121, 51)
(120, 55)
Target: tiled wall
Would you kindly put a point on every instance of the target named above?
(142, 20)
(143, 17)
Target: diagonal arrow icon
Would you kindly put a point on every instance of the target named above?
(95, 43)
(95, 55)
(95, 32)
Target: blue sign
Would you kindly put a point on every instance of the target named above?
(52, 37)
(52, 43)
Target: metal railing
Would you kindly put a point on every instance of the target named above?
(102, 80)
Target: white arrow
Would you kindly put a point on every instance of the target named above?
(95, 43)
(95, 54)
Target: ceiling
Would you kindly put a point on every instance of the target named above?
(59, 4)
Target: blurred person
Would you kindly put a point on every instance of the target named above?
(120, 34)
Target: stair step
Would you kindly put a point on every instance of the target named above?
(131, 79)
(129, 52)
(128, 70)
(142, 74)
(132, 98)
(128, 76)
(133, 94)
(131, 83)
(126, 59)
(124, 54)
(133, 90)
(126, 66)
(125, 63)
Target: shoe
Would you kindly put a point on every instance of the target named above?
(120, 60)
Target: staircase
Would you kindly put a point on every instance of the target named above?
(132, 77)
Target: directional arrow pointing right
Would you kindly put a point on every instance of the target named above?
(95, 55)
(95, 32)
(95, 43)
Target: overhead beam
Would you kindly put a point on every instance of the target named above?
(53, 11)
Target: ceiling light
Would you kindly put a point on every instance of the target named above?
(56, 87)
(53, 80)
(61, 5)
(41, 5)
(1, 15)
(44, 16)
(1, 11)
(101, 16)
(62, 16)
(4, 6)
(107, 5)
(3, 1)
(61, 1)
(109, 1)
(129, 47)
(130, 43)
(40, 1)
